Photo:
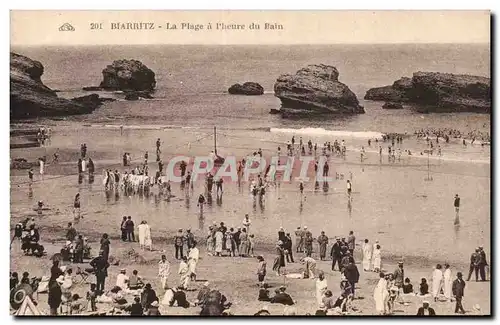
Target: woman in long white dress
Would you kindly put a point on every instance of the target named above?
(380, 295)
(193, 257)
(218, 242)
(377, 259)
(148, 241)
(448, 282)
(367, 255)
(437, 281)
(142, 234)
(321, 287)
(184, 273)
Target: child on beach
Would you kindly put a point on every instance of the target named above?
(251, 244)
(424, 288)
(91, 297)
(407, 290)
(261, 270)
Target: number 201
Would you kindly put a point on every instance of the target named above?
(95, 25)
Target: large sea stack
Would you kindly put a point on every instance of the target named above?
(128, 75)
(438, 92)
(315, 89)
(29, 97)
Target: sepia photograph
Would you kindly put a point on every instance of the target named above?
(250, 163)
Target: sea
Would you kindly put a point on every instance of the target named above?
(394, 203)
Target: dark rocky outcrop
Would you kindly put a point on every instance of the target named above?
(392, 105)
(438, 92)
(315, 89)
(126, 75)
(248, 88)
(29, 97)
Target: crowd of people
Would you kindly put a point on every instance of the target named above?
(232, 242)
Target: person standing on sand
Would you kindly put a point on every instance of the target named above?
(193, 258)
(456, 204)
(483, 264)
(247, 223)
(287, 246)
(399, 275)
(41, 163)
(308, 242)
(448, 282)
(184, 273)
(458, 289)
(437, 282)
(30, 175)
(70, 232)
(179, 245)
(377, 259)
(145, 235)
(351, 242)
(367, 255)
(323, 243)
(299, 239)
(336, 254)
(105, 246)
(163, 271)
(474, 264)
(279, 260)
(261, 270)
(219, 236)
(381, 295)
(123, 228)
(76, 207)
(321, 287)
(55, 295)
(129, 225)
(100, 265)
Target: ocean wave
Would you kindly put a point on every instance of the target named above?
(134, 127)
(333, 133)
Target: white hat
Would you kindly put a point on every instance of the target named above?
(425, 302)
(305, 227)
(206, 284)
(154, 304)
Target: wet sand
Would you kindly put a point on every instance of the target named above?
(392, 202)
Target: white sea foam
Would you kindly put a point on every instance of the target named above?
(332, 133)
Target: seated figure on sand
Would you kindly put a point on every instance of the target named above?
(173, 295)
(281, 297)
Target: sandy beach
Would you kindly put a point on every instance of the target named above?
(392, 202)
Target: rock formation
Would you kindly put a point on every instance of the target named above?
(438, 92)
(29, 97)
(248, 88)
(392, 105)
(126, 75)
(315, 89)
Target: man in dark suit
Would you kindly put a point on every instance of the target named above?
(458, 290)
(474, 264)
(425, 310)
(336, 254)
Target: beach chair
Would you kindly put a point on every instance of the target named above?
(82, 276)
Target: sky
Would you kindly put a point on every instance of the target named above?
(41, 28)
